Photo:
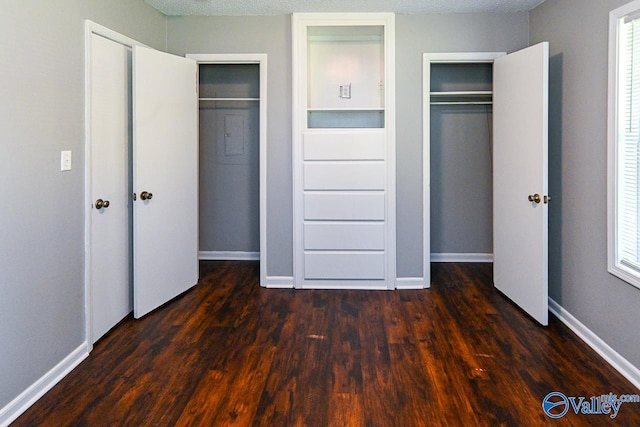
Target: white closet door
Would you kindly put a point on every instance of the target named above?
(165, 159)
(520, 243)
(109, 159)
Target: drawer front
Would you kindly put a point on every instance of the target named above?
(344, 176)
(344, 236)
(344, 206)
(344, 265)
(344, 146)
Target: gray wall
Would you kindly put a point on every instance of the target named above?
(250, 34)
(415, 35)
(41, 209)
(461, 180)
(578, 277)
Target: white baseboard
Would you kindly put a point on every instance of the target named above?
(228, 256)
(619, 363)
(340, 285)
(28, 397)
(286, 282)
(445, 257)
(279, 282)
(411, 283)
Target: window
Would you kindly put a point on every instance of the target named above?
(624, 143)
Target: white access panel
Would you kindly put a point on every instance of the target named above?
(344, 235)
(110, 237)
(332, 145)
(344, 265)
(344, 175)
(165, 159)
(330, 206)
(234, 135)
(520, 243)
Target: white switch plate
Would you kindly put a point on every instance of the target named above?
(345, 91)
(65, 161)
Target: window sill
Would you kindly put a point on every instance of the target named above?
(627, 274)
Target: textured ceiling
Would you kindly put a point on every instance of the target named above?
(279, 7)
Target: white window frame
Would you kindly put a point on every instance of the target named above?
(615, 265)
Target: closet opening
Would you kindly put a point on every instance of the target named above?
(461, 172)
(232, 157)
(485, 167)
(457, 157)
(229, 122)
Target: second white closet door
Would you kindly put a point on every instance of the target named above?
(165, 159)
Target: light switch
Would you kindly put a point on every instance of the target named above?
(65, 161)
(345, 91)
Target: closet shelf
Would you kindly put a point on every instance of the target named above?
(229, 99)
(472, 97)
(462, 103)
(464, 94)
(311, 110)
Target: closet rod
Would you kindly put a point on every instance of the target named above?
(462, 103)
(229, 99)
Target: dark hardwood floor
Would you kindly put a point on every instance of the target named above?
(231, 353)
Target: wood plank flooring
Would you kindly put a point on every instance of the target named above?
(229, 353)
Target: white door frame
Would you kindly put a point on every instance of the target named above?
(427, 60)
(92, 28)
(261, 60)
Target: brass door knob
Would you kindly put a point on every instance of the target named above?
(145, 195)
(101, 204)
(535, 198)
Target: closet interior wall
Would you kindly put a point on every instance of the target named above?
(229, 160)
(461, 172)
